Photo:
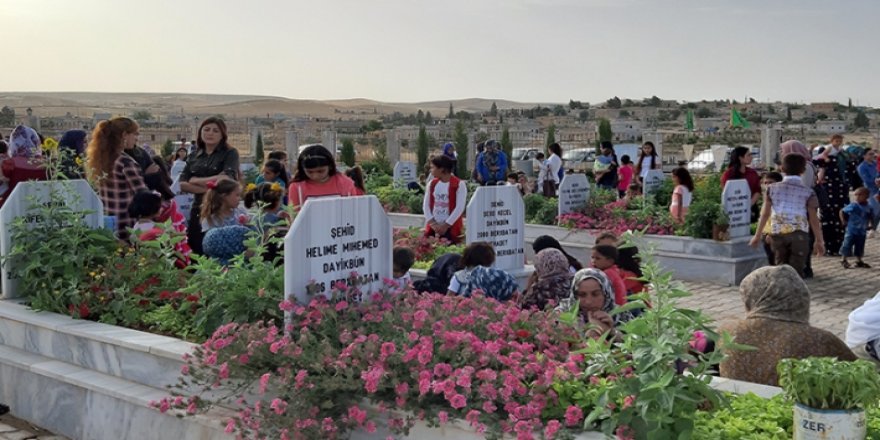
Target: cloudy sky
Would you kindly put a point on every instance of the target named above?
(417, 50)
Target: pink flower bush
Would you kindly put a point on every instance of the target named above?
(435, 357)
(616, 218)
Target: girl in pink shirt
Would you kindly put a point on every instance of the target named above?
(316, 176)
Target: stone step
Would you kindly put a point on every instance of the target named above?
(139, 357)
(79, 403)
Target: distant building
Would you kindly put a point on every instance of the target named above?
(625, 130)
(830, 126)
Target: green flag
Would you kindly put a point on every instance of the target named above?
(736, 120)
(689, 122)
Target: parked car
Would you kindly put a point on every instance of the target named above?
(524, 153)
(579, 159)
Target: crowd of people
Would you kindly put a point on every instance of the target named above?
(805, 208)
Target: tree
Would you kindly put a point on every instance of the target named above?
(348, 154)
(559, 111)
(605, 134)
(422, 147)
(371, 126)
(861, 120)
(493, 111)
(613, 102)
(624, 114)
(703, 112)
(420, 116)
(655, 101)
(788, 114)
(849, 105)
(551, 137)
(429, 120)
(7, 116)
(168, 148)
(821, 116)
(507, 146)
(583, 115)
(142, 115)
(258, 151)
(451, 114)
(460, 138)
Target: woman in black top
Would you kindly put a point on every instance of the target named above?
(213, 160)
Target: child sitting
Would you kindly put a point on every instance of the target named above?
(403, 259)
(477, 273)
(681, 195)
(604, 258)
(634, 190)
(267, 197)
(223, 221)
(855, 217)
(148, 208)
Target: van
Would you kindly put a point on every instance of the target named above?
(579, 159)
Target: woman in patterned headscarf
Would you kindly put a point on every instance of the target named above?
(24, 142)
(777, 324)
(551, 280)
(592, 293)
(24, 162)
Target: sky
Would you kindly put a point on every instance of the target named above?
(415, 50)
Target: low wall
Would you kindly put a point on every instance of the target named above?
(100, 394)
(688, 258)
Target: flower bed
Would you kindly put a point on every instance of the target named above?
(426, 249)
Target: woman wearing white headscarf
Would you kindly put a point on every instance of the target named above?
(863, 330)
(592, 293)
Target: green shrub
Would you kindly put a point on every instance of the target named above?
(540, 210)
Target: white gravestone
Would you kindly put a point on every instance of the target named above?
(496, 214)
(328, 138)
(688, 152)
(574, 192)
(653, 181)
(404, 173)
(77, 195)
(737, 201)
(333, 237)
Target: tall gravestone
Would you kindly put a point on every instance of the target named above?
(392, 144)
(770, 140)
(291, 142)
(653, 181)
(496, 214)
(737, 201)
(328, 139)
(574, 192)
(75, 194)
(404, 173)
(688, 150)
(333, 237)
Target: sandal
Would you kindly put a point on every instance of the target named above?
(863, 264)
(845, 264)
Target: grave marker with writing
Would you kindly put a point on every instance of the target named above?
(574, 192)
(496, 214)
(737, 201)
(404, 173)
(74, 194)
(653, 181)
(333, 237)
(719, 153)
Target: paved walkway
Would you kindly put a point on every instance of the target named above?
(16, 429)
(835, 292)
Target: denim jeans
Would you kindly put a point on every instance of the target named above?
(853, 244)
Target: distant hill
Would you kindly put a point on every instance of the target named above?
(86, 103)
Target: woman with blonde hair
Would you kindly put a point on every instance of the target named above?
(117, 176)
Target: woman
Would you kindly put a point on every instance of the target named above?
(117, 175)
(606, 167)
(213, 160)
(739, 168)
(317, 176)
(546, 241)
(777, 324)
(24, 161)
(449, 151)
(553, 173)
(593, 295)
(863, 330)
(551, 280)
(179, 163)
(439, 275)
(72, 146)
(647, 160)
(833, 190)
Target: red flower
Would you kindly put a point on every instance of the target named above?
(192, 298)
(144, 302)
(139, 290)
(83, 310)
(153, 280)
(522, 333)
(164, 295)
